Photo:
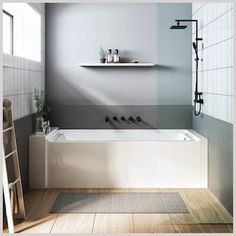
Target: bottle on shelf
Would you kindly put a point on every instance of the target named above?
(116, 57)
(109, 56)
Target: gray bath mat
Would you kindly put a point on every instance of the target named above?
(75, 202)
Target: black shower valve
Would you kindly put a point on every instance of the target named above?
(123, 118)
(200, 101)
(115, 118)
(198, 98)
(196, 93)
(131, 119)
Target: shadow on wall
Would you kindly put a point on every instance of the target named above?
(166, 68)
(71, 114)
(220, 155)
(93, 115)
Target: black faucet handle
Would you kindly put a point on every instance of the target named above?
(131, 119)
(107, 119)
(138, 118)
(123, 118)
(115, 118)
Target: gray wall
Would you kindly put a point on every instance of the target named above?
(220, 156)
(74, 33)
(81, 117)
(174, 51)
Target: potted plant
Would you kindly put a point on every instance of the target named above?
(42, 109)
(103, 55)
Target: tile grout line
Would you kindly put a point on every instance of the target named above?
(19, 68)
(215, 44)
(218, 68)
(199, 9)
(17, 94)
(215, 19)
(217, 94)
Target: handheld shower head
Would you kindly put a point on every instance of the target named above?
(195, 48)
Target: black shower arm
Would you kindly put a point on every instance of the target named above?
(195, 21)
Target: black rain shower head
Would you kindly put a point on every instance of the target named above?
(178, 27)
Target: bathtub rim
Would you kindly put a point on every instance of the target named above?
(193, 135)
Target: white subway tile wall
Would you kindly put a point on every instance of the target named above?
(21, 75)
(216, 58)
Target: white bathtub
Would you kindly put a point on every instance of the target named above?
(126, 159)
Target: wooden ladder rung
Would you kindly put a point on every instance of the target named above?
(7, 129)
(10, 154)
(13, 193)
(13, 183)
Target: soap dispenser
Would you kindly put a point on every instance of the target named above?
(109, 56)
(116, 56)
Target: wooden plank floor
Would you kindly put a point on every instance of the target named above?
(207, 215)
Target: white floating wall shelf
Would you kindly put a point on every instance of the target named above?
(116, 64)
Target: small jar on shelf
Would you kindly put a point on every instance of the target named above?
(109, 56)
(116, 58)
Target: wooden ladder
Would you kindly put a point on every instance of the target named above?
(13, 194)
